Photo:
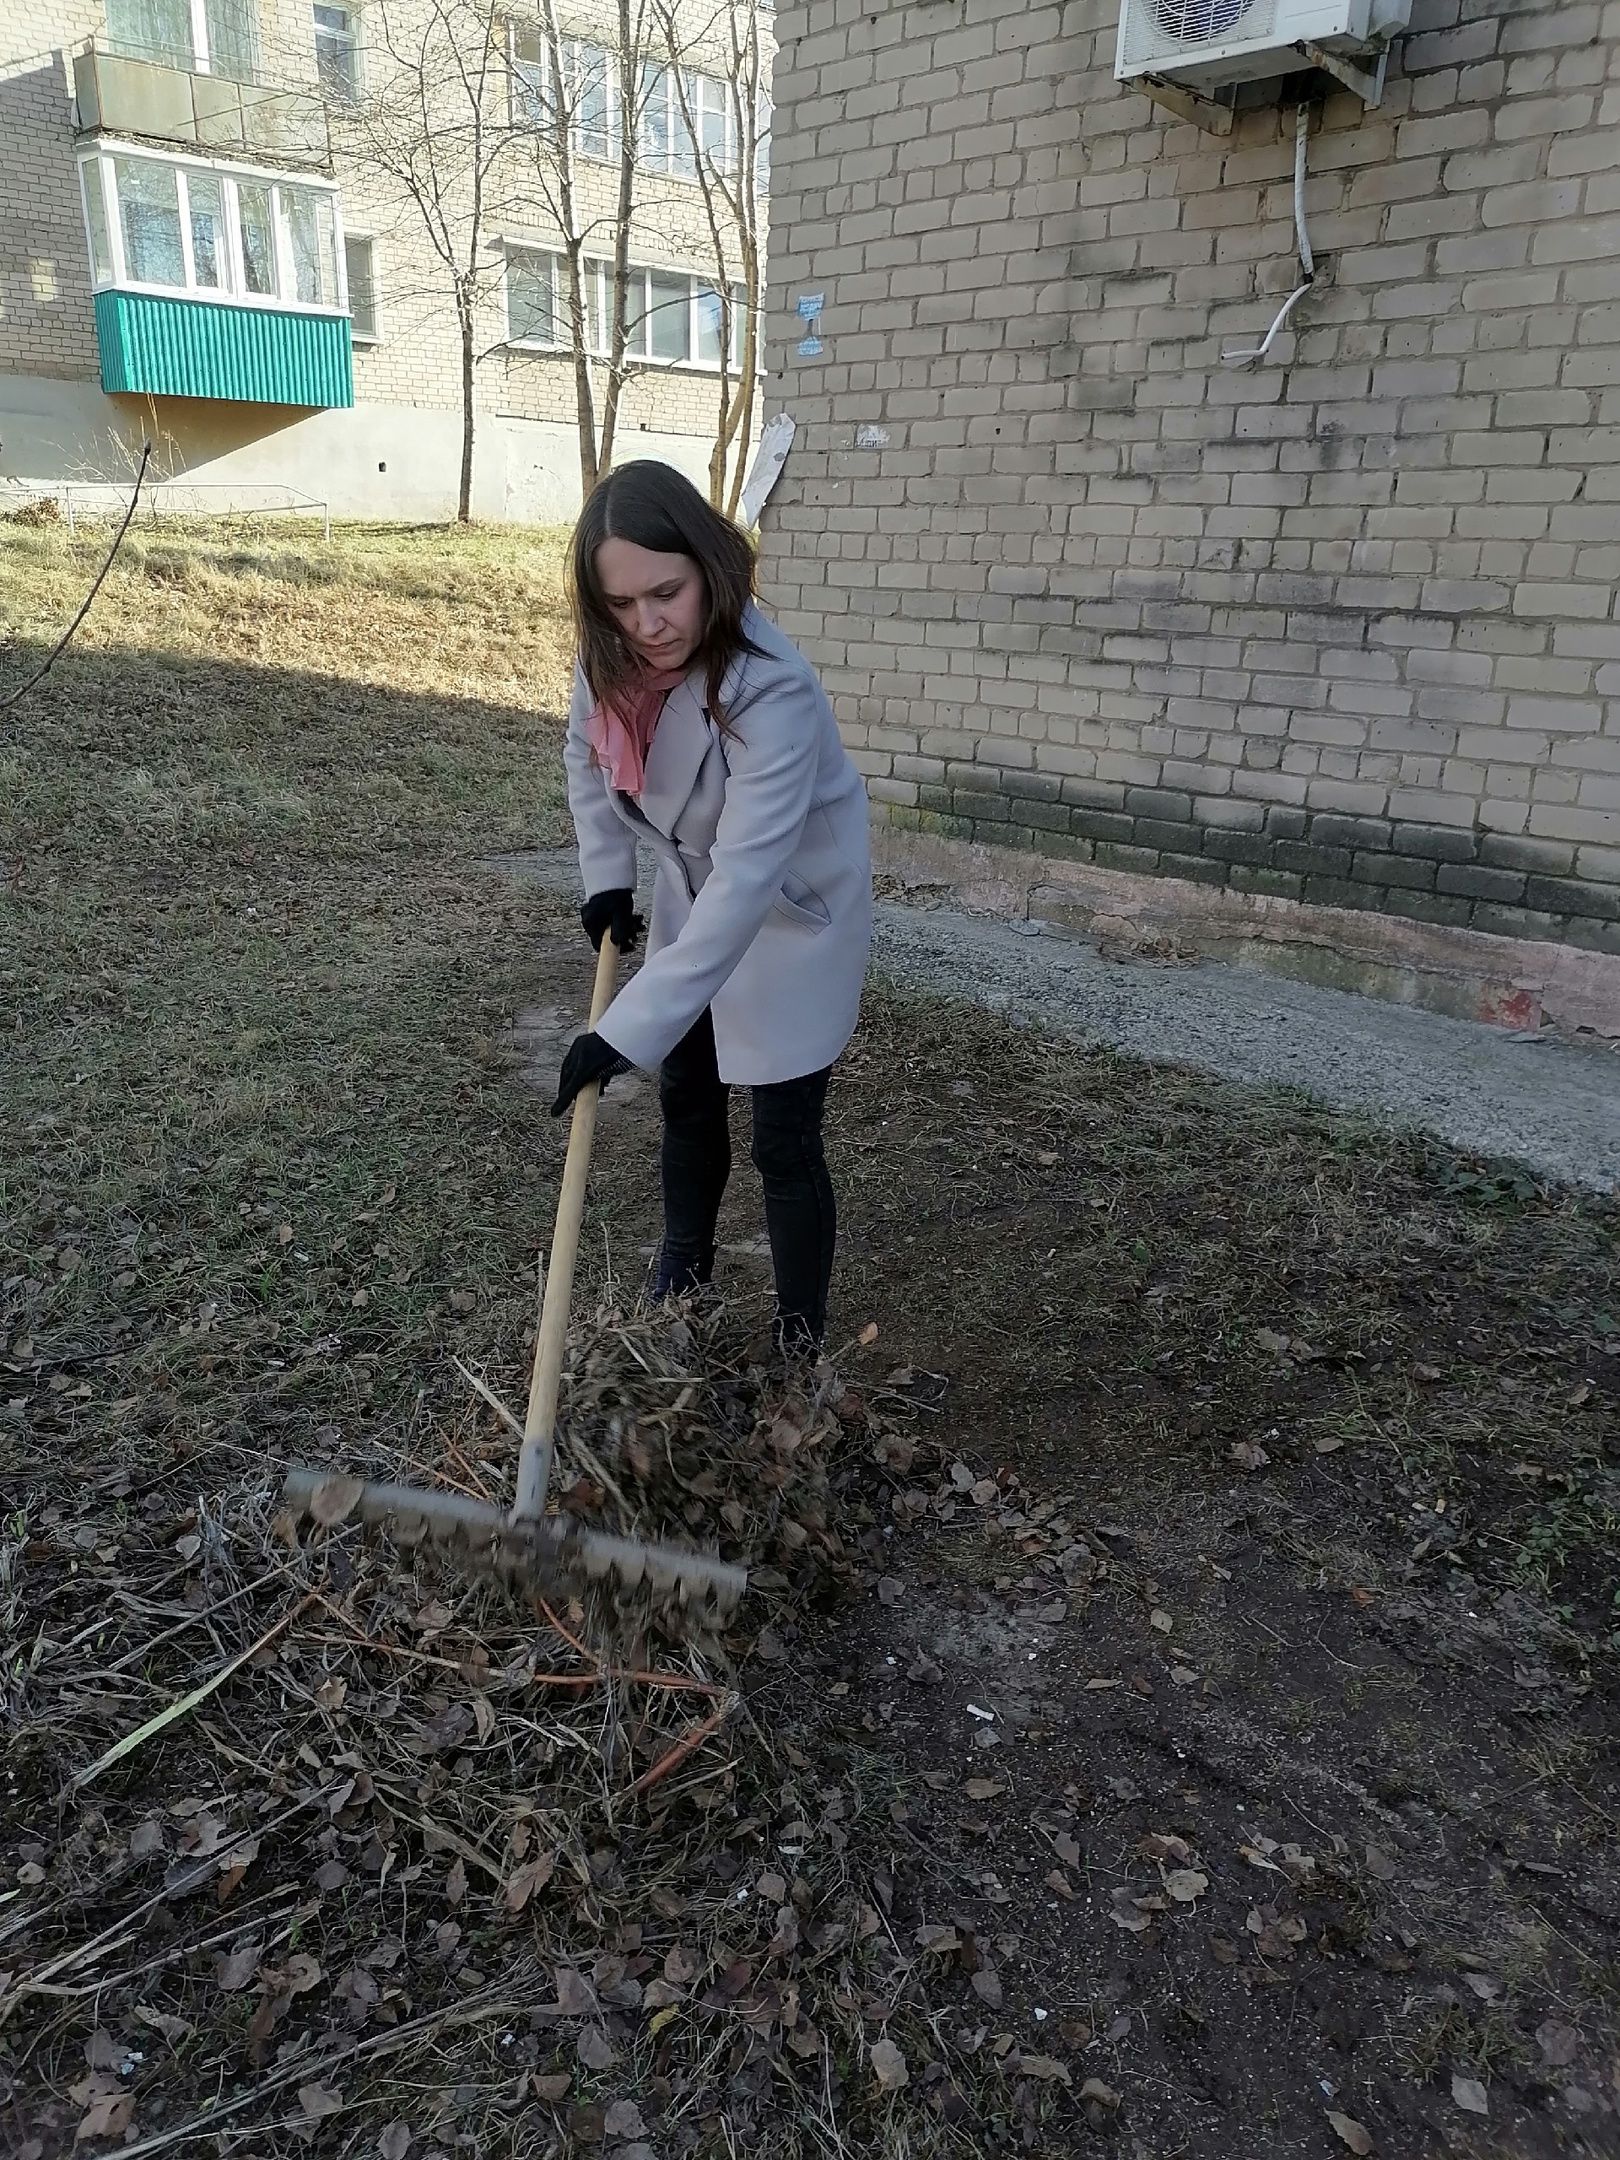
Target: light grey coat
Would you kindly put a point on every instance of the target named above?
(762, 909)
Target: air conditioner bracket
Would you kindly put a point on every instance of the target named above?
(1204, 112)
(1366, 83)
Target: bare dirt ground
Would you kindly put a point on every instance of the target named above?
(1194, 1737)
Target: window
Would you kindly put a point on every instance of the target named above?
(210, 232)
(256, 234)
(531, 299)
(337, 53)
(588, 93)
(762, 146)
(95, 215)
(149, 208)
(311, 244)
(710, 319)
(360, 269)
(667, 144)
(671, 318)
(205, 200)
(666, 140)
(715, 117)
(668, 316)
(205, 37)
(158, 30)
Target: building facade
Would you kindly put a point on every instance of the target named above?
(1332, 631)
(219, 231)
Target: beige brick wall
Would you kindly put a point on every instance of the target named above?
(47, 326)
(1341, 626)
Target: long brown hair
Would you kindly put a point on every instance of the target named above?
(655, 507)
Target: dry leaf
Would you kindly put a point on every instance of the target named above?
(986, 1984)
(1160, 1621)
(319, 2100)
(594, 2049)
(1483, 1985)
(983, 1788)
(393, 2140)
(523, 1882)
(553, 2086)
(1351, 2132)
(1469, 2093)
(1104, 2095)
(300, 1973)
(1557, 2042)
(624, 2120)
(1045, 2067)
(1249, 1455)
(1060, 1882)
(1066, 1849)
(233, 1972)
(1125, 1912)
(455, 1883)
(108, 2109)
(1380, 1863)
(575, 1995)
(940, 1940)
(104, 2050)
(889, 2065)
(1186, 1885)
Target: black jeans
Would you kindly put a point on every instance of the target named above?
(800, 1212)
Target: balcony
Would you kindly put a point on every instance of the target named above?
(160, 100)
(179, 347)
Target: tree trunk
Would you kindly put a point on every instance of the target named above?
(590, 469)
(464, 501)
(631, 55)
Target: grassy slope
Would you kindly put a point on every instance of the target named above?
(246, 945)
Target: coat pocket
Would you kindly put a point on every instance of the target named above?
(802, 904)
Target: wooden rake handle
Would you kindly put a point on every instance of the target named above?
(540, 1425)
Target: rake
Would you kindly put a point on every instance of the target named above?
(550, 1552)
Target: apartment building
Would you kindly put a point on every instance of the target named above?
(238, 227)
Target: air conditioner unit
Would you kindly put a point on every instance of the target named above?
(1203, 46)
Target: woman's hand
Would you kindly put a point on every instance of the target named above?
(590, 1061)
(612, 913)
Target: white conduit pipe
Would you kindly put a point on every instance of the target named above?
(1307, 261)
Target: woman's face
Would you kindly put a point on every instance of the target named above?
(658, 602)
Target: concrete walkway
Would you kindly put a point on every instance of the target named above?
(1548, 1104)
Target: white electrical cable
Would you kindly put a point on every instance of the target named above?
(1302, 129)
(1307, 261)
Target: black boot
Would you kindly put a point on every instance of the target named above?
(679, 1275)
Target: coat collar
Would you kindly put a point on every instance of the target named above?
(675, 756)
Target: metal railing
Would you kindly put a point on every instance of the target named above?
(91, 499)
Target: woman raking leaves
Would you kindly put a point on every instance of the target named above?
(697, 731)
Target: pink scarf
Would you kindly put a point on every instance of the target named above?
(621, 729)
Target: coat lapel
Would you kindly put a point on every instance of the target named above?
(674, 761)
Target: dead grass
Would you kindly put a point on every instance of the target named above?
(265, 1173)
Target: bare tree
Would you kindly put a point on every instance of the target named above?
(731, 148)
(631, 113)
(437, 134)
(583, 104)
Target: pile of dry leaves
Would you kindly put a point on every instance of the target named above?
(324, 1848)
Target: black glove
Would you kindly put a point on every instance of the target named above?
(589, 1059)
(613, 911)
